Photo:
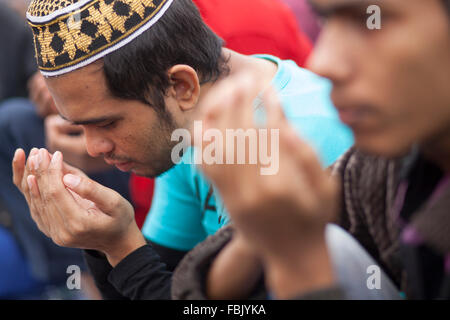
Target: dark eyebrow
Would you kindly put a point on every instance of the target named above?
(90, 121)
(342, 6)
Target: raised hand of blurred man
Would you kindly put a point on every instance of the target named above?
(281, 215)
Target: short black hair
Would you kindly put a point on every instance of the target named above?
(138, 71)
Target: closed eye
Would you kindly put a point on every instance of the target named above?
(107, 125)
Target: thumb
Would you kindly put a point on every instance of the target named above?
(67, 168)
(107, 200)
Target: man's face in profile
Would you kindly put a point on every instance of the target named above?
(126, 133)
(390, 85)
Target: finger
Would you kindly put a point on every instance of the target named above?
(18, 165)
(39, 163)
(223, 95)
(56, 205)
(42, 172)
(275, 117)
(57, 192)
(302, 153)
(304, 156)
(34, 211)
(244, 93)
(240, 115)
(33, 187)
(27, 169)
(41, 201)
(87, 204)
(215, 103)
(104, 198)
(72, 170)
(213, 108)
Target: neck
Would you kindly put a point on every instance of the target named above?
(237, 64)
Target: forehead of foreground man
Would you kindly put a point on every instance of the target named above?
(70, 34)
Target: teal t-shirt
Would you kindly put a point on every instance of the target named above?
(186, 209)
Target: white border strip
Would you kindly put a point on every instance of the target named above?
(53, 15)
(118, 45)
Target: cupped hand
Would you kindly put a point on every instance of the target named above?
(73, 210)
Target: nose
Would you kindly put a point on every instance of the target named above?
(96, 144)
(331, 57)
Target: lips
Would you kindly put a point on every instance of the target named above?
(362, 119)
(353, 114)
(122, 166)
(125, 167)
(348, 117)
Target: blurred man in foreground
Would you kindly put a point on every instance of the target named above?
(391, 86)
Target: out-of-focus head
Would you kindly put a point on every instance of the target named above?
(129, 71)
(391, 85)
(20, 6)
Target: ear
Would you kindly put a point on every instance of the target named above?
(185, 86)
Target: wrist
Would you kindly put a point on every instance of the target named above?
(129, 243)
(300, 271)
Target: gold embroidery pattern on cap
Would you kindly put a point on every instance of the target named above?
(46, 7)
(76, 36)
